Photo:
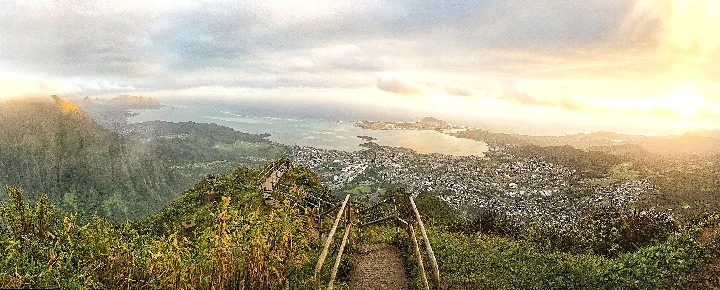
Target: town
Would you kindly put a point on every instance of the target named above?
(527, 188)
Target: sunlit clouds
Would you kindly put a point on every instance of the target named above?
(18, 86)
(629, 63)
(691, 34)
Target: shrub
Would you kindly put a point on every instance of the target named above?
(487, 221)
(607, 231)
(661, 266)
(435, 211)
(239, 245)
(490, 262)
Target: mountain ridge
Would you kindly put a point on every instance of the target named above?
(53, 146)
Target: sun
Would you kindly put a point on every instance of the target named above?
(685, 100)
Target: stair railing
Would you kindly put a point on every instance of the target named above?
(402, 205)
(343, 214)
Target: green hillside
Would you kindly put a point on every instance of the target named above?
(163, 205)
(220, 234)
(56, 148)
(236, 243)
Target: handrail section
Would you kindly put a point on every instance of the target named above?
(428, 247)
(409, 223)
(343, 212)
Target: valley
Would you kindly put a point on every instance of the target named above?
(187, 190)
(360, 145)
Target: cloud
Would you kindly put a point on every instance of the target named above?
(644, 25)
(684, 33)
(395, 85)
(458, 91)
(463, 47)
(101, 37)
(570, 103)
(545, 27)
(104, 85)
(712, 70)
(18, 86)
(513, 95)
(692, 30)
(77, 38)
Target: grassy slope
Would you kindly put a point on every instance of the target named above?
(237, 243)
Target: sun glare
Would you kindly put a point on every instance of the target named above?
(692, 30)
(684, 100)
(17, 86)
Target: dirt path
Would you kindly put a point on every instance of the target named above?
(270, 182)
(379, 266)
(268, 186)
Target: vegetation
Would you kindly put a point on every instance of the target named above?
(56, 148)
(485, 262)
(219, 233)
(236, 243)
(610, 248)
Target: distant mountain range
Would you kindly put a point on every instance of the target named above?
(696, 143)
(688, 144)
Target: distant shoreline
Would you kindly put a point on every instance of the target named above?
(427, 123)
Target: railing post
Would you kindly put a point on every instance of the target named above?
(319, 215)
(397, 228)
(323, 255)
(340, 253)
(359, 225)
(433, 261)
(418, 255)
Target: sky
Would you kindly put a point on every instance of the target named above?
(635, 64)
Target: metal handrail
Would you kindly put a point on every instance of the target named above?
(431, 254)
(374, 206)
(392, 217)
(328, 243)
(410, 228)
(345, 210)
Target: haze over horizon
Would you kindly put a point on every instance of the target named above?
(641, 64)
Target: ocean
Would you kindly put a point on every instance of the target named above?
(330, 127)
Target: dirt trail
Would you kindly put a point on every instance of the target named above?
(270, 182)
(379, 266)
(268, 186)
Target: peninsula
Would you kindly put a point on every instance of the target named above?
(427, 123)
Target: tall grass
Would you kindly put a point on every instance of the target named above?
(241, 247)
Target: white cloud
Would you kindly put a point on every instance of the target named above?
(396, 85)
(457, 90)
(104, 85)
(466, 50)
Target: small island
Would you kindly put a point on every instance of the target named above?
(367, 138)
(427, 123)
